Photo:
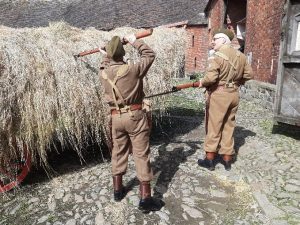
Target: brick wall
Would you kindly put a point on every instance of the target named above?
(262, 41)
(197, 49)
(196, 57)
(263, 37)
(216, 15)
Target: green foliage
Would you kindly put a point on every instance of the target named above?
(196, 76)
(51, 218)
(267, 126)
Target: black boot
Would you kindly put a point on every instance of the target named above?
(208, 162)
(119, 190)
(227, 165)
(148, 203)
(227, 161)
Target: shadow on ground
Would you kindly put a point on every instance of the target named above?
(178, 122)
(288, 130)
(240, 135)
(67, 160)
(167, 163)
(166, 128)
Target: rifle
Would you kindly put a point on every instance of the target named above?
(176, 88)
(138, 35)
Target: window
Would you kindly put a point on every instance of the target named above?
(209, 23)
(249, 57)
(193, 40)
(296, 34)
(297, 44)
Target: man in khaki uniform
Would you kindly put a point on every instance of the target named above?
(123, 90)
(227, 70)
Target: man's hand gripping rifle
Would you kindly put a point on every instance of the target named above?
(138, 35)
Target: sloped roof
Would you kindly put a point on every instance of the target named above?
(208, 5)
(101, 14)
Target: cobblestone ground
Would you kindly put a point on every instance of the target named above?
(263, 186)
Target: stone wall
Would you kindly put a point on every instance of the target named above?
(260, 92)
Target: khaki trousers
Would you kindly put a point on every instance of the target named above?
(131, 132)
(223, 106)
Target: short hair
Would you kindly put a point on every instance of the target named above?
(225, 31)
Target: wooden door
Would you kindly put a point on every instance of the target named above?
(287, 101)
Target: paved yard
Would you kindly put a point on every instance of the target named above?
(263, 186)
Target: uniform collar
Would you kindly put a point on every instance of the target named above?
(225, 46)
(113, 63)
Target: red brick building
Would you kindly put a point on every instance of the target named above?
(257, 23)
(197, 49)
(263, 37)
(197, 46)
(269, 30)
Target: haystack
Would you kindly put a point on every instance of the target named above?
(50, 100)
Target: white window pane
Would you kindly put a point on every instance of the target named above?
(297, 47)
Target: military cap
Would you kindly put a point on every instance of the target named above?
(115, 49)
(225, 31)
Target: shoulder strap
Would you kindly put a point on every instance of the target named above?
(233, 64)
(233, 69)
(122, 70)
(222, 55)
(115, 91)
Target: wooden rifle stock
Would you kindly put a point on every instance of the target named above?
(188, 85)
(144, 33)
(138, 35)
(88, 52)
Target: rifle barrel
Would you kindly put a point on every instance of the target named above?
(176, 88)
(159, 94)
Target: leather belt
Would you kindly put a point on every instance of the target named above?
(126, 109)
(222, 87)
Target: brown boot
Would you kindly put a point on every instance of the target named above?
(227, 161)
(148, 203)
(208, 162)
(119, 190)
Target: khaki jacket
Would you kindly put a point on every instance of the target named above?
(128, 77)
(218, 71)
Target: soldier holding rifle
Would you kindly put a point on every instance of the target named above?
(123, 89)
(227, 70)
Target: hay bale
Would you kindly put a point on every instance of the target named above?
(48, 99)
